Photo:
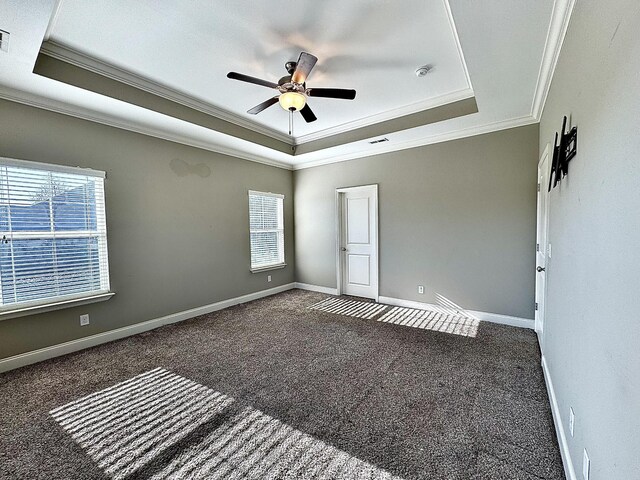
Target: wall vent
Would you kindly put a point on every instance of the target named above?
(380, 140)
(4, 41)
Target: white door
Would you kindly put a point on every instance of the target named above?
(542, 247)
(358, 241)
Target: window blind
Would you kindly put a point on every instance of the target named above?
(266, 229)
(53, 237)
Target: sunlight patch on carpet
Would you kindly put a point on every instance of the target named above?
(456, 323)
(164, 426)
(350, 308)
(447, 317)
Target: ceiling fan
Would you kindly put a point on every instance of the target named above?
(293, 88)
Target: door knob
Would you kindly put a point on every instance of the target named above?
(343, 249)
(540, 269)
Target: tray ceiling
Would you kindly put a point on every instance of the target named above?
(496, 56)
(188, 47)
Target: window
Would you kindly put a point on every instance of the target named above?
(53, 238)
(266, 229)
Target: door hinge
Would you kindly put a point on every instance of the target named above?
(537, 247)
(538, 187)
(536, 305)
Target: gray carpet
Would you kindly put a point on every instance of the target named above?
(275, 389)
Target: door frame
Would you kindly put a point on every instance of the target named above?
(540, 313)
(338, 231)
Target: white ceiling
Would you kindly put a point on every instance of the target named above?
(373, 47)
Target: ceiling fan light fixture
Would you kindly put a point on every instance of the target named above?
(292, 100)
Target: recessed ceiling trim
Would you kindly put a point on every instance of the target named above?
(454, 30)
(27, 98)
(388, 147)
(388, 115)
(53, 20)
(80, 78)
(441, 113)
(78, 59)
(65, 54)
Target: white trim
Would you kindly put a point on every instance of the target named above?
(452, 25)
(46, 353)
(392, 114)
(82, 113)
(52, 21)
(52, 167)
(266, 194)
(482, 316)
(567, 463)
(391, 146)
(55, 305)
(276, 266)
(542, 192)
(410, 109)
(560, 17)
(73, 57)
(104, 69)
(376, 234)
(317, 288)
(503, 319)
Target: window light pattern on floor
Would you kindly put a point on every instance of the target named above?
(163, 426)
(351, 308)
(446, 317)
(438, 319)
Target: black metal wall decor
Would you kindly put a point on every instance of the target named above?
(562, 154)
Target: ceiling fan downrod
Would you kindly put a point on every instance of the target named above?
(291, 110)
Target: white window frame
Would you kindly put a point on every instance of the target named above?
(61, 301)
(280, 231)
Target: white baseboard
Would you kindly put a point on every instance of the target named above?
(482, 316)
(569, 471)
(529, 323)
(35, 356)
(317, 288)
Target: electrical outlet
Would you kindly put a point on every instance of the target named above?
(420, 289)
(268, 278)
(84, 319)
(586, 463)
(572, 420)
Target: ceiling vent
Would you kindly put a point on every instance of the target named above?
(4, 41)
(380, 140)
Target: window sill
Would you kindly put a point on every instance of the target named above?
(55, 305)
(269, 267)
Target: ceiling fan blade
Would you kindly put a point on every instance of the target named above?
(266, 104)
(343, 93)
(308, 114)
(303, 67)
(248, 79)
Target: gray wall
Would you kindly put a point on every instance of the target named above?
(176, 241)
(592, 332)
(457, 217)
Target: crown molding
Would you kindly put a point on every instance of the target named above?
(416, 107)
(454, 30)
(560, 18)
(66, 54)
(388, 115)
(389, 147)
(29, 99)
(53, 20)
(78, 59)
